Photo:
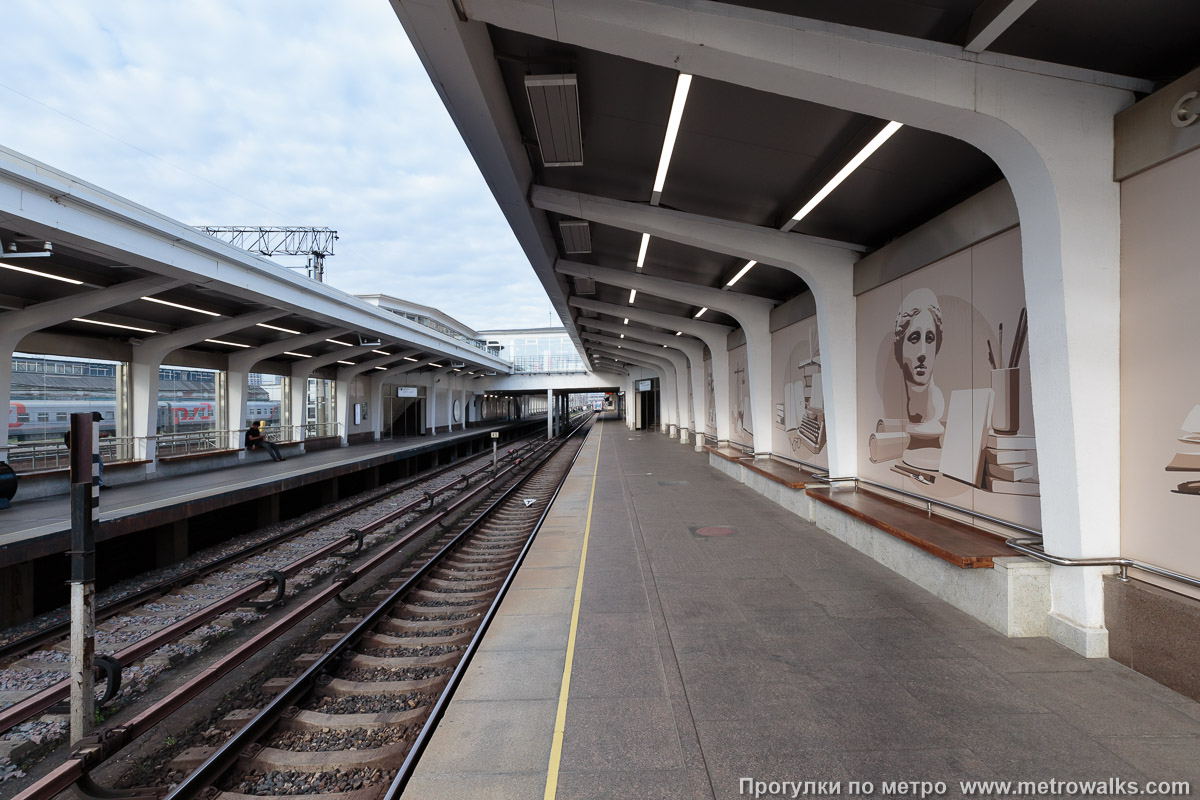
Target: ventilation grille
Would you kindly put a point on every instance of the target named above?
(576, 236)
(554, 102)
(585, 285)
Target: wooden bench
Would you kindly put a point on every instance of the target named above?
(956, 542)
(790, 475)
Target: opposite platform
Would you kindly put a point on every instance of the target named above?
(721, 637)
(34, 528)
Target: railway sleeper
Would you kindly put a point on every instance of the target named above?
(394, 625)
(366, 793)
(338, 687)
(316, 720)
(273, 759)
(380, 641)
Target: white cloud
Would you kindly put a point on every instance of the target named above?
(271, 112)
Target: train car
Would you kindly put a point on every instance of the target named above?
(48, 420)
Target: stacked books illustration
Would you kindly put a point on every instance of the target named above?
(1010, 464)
(1188, 461)
(1010, 459)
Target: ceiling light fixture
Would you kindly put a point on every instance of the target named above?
(28, 271)
(343, 344)
(435, 365)
(380, 352)
(700, 313)
(632, 296)
(276, 328)
(222, 341)
(409, 358)
(290, 353)
(679, 333)
(845, 171)
(641, 259)
(626, 321)
(180, 305)
(682, 85)
(382, 368)
(741, 272)
(113, 325)
(347, 363)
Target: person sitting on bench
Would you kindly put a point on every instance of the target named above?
(256, 439)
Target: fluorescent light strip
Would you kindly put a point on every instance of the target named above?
(343, 344)
(700, 313)
(439, 366)
(845, 171)
(28, 271)
(231, 344)
(741, 272)
(380, 352)
(277, 328)
(632, 296)
(622, 336)
(300, 355)
(626, 321)
(407, 358)
(180, 305)
(664, 161)
(113, 325)
(679, 333)
(642, 250)
(347, 363)
(382, 368)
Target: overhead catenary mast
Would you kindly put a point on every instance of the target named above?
(268, 240)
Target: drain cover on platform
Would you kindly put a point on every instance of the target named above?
(706, 531)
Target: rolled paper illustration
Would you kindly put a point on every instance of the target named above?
(887, 446)
(889, 426)
(1006, 408)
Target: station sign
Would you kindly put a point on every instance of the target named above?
(406, 391)
(495, 434)
(643, 386)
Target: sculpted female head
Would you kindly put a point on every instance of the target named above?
(918, 336)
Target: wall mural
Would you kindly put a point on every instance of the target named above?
(944, 393)
(741, 427)
(1160, 384)
(799, 429)
(710, 424)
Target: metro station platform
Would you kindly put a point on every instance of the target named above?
(41, 527)
(710, 636)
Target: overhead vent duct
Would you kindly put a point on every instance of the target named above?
(576, 236)
(585, 285)
(554, 101)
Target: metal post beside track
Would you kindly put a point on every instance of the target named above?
(85, 510)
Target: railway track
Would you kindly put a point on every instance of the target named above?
(356, 718)
(299, 549)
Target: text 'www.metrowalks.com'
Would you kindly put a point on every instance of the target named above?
(986, 790)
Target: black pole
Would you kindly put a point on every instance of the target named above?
(85, 511)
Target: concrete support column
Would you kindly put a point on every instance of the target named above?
(342, 403)
(237, 390)
(298, 410)
(758, 362)
(143, 389)
(549, 413)
(431, 407)
(375, 406)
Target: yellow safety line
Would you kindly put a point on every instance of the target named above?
(560, 719)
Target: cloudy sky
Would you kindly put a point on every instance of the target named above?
(275, 112)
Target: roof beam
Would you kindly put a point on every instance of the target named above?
(992, 18)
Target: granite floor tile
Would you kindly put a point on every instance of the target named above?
(467, 786)
(616, 630)
(1159, 757)
(1103, 704)
(643, 785)
(481, 733)
(527, 632)
(513, 674)
(625, 735)
(619, 672)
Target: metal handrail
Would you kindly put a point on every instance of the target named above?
(1035, 548)
(929, 502)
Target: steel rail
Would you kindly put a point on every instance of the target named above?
(439, 709)
(98, 747)
(928, 501)
(33, 641)
(38, 703)
(1036, 549)
(227, 754)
